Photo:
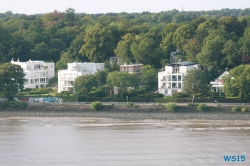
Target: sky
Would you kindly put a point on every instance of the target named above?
(30, 7)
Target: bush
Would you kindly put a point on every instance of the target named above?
(97, 105)
(14, 104)
(98, 93)
(234, 109)
(171, 106)
(243, 109)
(130, 104)
(202, 107)
(179, 95)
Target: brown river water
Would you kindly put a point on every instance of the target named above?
(108, 142)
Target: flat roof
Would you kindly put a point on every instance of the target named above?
(185, 63)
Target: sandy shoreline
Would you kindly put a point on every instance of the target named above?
(122, 112)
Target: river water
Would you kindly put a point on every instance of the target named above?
(107, 142)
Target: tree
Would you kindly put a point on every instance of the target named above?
(20, 47)
(84, 84)
(192, 48)
(101, 78)
(70, 16)
(123, 50)
(211, 55)
(123, 80)
(183, 32)
(6, 40)
(56, 47)
(169, 28)
(231, 51)
(149, 76)
(99, 44)
(195, 82)
(204, 28)
(41, 52)
(244, 42)
(167, 45)
(11, 79)
(231, 24)
(146, 51)
(236, 83)
(62, 63)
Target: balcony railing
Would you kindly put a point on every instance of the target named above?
(67, 85)
(165, 80)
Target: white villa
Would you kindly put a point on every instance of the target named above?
(67, 77)
(131, 68)
(171, 80)
(37, 73)
(217, 85)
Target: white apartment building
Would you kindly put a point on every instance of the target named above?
(171, 80)
(67, 77)
(37, 73)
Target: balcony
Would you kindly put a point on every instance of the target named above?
(165, 80)
(67, 85)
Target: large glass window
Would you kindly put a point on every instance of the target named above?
(179, 78)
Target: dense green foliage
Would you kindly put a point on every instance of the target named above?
(237, 82)
(214, 39)
(195, 82)
(84, 84)
(97, 105)
(123, 81)
(211, 38)
(14, 104)
(11, 80)
(202, 107)
(171, 106)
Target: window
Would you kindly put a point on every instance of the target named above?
(179, 85)
(179, 78)
(42, 80)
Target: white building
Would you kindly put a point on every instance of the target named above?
(37, 73)
(67, 77)
(217, 85)
(131, 68)
(171, 80)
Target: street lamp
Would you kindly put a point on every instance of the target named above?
(127, 99)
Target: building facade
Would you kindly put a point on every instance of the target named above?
(67, 77)
(37, 73)
(131, 68)
(171, 80)
(217, 84)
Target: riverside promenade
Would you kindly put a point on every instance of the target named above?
(140, 111)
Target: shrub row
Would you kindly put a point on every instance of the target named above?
(235, 109)
(14, 104)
